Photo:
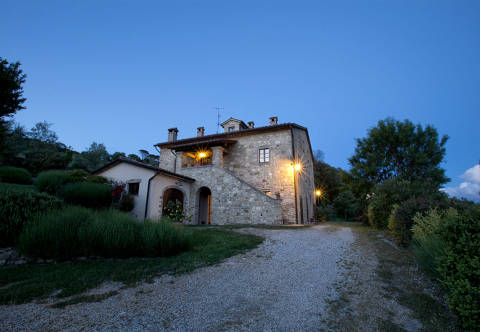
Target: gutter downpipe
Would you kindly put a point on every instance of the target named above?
(294, 177)
(148, 195)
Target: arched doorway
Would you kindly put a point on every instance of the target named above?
(171, 195)
(204, 206)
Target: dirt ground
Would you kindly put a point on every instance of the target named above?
(382, 289)
(329, 277)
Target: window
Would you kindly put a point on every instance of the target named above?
(133, 188)
(264, 155)
(230, 129)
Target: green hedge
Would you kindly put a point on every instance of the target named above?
(19, 206)
(90, 195)
(460, 267)
(76, 231)
(447, 244)
(15, 175)
(51, 181)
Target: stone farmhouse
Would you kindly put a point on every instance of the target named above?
(244, 175)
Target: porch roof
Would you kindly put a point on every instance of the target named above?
(204, 144)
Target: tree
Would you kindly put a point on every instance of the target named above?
(346, 205)
(93, 158)
(399, 149)
(42, 132)
(11, 90)
(133, 156)
(11, 95)
(117, 155)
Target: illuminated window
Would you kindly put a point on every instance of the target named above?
(264, 155)
(230, 129)
(133, 188)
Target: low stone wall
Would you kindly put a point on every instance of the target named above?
(234, 201)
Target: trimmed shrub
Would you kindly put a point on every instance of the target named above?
(51, 181)
(77, 231)
(401, 218)
(20, 206)
(90, 195)
(460, 269)
(77, 175)
(163, 238)
(97, 179)
(15, 175)
(111, 234)
(55, 235)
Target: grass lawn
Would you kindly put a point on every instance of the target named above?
(26, 283)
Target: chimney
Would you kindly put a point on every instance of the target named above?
(172, 134)
(273, 121)
(251, 124)
(200, 131)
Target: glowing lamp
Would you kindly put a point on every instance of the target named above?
(298, 167)
(318, 193)
(202, 155)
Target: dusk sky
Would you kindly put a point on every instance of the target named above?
(123, 72)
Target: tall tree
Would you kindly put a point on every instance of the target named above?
(11, 90)
(43, 133)
(399, 149)
(11, 95)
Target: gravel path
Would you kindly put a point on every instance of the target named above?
(283, 285)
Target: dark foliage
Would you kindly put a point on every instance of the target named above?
(90, 195)
(11, 90)
(401, 150)
(77, 231)
(460, 268)
(401, 218)
(51, 181)
(19, 206)
(15, 175)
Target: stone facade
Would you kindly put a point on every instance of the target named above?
(243, 189)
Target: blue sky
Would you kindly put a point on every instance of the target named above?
(123, 72)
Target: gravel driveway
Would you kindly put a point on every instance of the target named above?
(283, 285)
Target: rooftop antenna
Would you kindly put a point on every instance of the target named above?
(218, 116)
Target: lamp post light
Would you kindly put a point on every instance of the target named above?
(318, 194)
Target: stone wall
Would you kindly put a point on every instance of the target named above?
(276, 176)
(167, 160)
(234, 201)
(304, 180)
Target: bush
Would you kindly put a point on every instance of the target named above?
(111, 234)
(326, 212)
(76, 231)
(346, 205)
(51, 181)
(55, 235)
(19, 207)
(427, 244)
(15, 175)
(386, 195)
(97, 179)
(460, 268)
(401, 218)
(90, 195)
(77, 175)
(164, 238)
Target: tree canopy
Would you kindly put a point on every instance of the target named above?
(11, 90)
(402, 150)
